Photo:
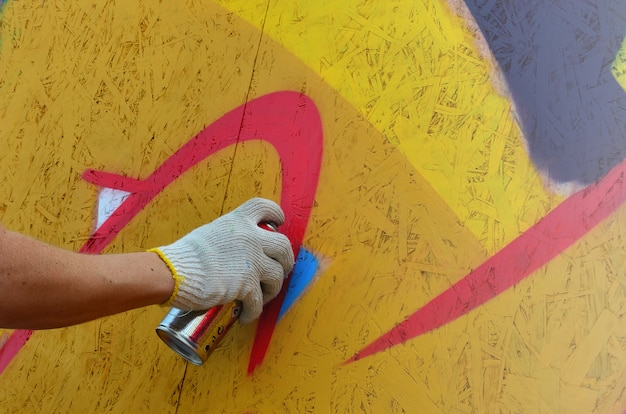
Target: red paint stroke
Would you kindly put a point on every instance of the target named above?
(557, 231)
(287, 120)
(12, 346)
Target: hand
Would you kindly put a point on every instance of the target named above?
(229, 259)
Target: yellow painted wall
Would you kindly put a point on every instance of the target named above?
(424, 177)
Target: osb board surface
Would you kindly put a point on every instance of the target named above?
(424, 177)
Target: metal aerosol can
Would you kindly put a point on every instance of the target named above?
(194, 334)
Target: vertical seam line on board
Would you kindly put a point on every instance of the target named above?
(245, 104)
(180, 388)
(232, 166)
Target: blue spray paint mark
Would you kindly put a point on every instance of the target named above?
(302, 275)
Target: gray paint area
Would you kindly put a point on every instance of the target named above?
(556, 57)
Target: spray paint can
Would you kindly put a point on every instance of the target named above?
(194, 334)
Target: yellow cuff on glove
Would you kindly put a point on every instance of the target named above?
(178, 279)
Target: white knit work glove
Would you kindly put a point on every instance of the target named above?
(229, 259)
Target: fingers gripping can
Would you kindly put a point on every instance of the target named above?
(195, 334)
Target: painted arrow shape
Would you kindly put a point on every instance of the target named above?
(289, 121)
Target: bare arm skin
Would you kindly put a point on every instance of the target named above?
(231, 258)
(46, 287)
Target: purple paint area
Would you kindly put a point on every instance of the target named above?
(556, 58)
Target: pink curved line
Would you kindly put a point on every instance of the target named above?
(554, 233)
(289, 121)
(115, 181)
(12, 346)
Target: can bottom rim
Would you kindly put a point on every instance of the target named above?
(180, 345)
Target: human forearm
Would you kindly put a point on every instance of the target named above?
(46, 287)
(232, 258)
